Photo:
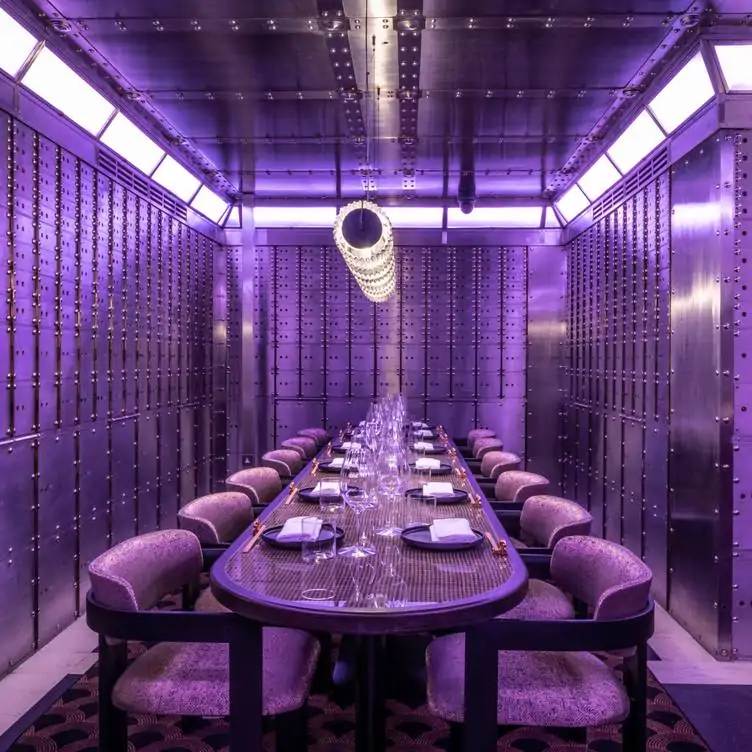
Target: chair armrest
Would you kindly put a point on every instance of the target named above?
(567, 634)
(158, 626)
(505, 506)
(510, 521)
(488, 487)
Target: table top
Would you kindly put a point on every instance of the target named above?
(443, 590)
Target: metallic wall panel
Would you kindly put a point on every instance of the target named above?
(453, 338)
(699, 544)
(615, 417)
(546, 332)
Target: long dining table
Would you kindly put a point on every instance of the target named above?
(445, 591)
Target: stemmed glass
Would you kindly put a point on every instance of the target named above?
(358, 501)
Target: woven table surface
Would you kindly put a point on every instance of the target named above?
(431, 578)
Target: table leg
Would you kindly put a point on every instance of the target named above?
(370, 715)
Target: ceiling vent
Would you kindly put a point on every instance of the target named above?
(142, 186)
(632, 184)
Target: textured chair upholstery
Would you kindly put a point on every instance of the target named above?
(545, 520)
(543, 601)
(305, 447)
(319, 435)
(482, 447)
(137, 573)
(602, 574)
(217, 518)
(535, 688)
(189, 678)
(260, 484)
(518, 485)
(544, 688)
(495, 462)
(479, 433)
(287, 462)
(193, 678)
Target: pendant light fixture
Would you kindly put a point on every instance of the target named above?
(363, 232)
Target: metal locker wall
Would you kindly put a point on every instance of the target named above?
(615, 414)
(93, 353)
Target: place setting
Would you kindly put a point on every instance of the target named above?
(309, 534)
(431, 466)
(438, 493)
(448, 534)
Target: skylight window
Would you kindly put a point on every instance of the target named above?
(683, 95)
(16, 44)
(736, 65)
(233, 218)
(294, 216)
(211, 205)
(637, 141)
(496, 216)
(572, 203)
(51, 79)
(132, 144)
(176, 179)
(599, 178)
(551, 219)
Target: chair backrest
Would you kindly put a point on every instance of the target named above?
(606, 576)
(545, 520)
(478, 433)
(483, 446)
(319, 435)
(494, 463)
(260, 484)
(136, 574)
(217, 518)
(518, 485)
(284, 461)
(305, 447)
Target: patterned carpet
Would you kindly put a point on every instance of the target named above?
(70, 725)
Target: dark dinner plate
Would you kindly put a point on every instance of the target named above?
(327, 531)
(437, 449)
(419, 536)
(458, 497)
(444, 469)
(308, 497)
(326, 467)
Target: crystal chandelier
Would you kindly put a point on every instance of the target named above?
(363, 234)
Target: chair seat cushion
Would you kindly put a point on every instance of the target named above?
(535, 688)
(193, 678)
(542, 602)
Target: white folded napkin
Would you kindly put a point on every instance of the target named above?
(326, 488)
(423, 446)
(292, 530)
(453, 530)
(350, 445)
(427, 463)
(419, 425)
(337, 462)
(438, 489)
(426, 434)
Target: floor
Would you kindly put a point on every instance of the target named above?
(714, 696)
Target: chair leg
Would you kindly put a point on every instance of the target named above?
(322, 679)
(292, 730)
(634, 728)
(113, 722)
(456, 737)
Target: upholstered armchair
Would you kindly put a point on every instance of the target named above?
(287, 462)
(217, 519)
(472, 436)
(319, 435)
(189, 672)
(493, 464)
(542, 672)
(304, 446)
(514, 486)
(260, 484)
